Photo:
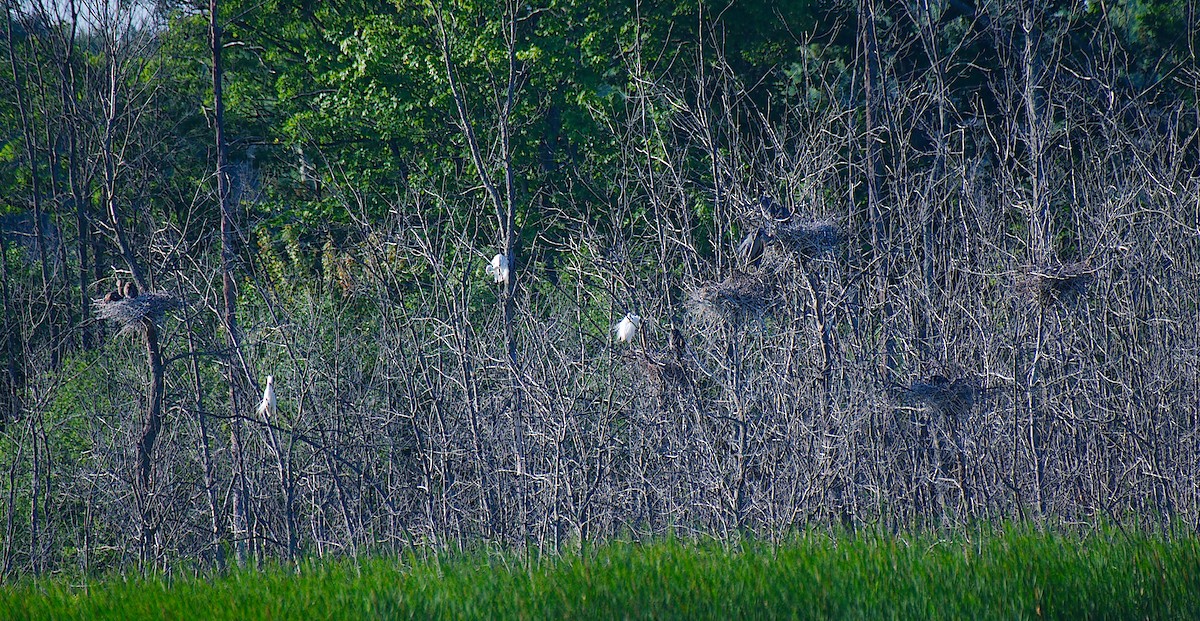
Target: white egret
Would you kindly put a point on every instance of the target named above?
(627, 327)
(267, 407)
(498, 268)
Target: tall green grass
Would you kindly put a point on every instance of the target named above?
(1015, 573)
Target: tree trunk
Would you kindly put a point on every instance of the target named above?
(35, 484)
(75, 180)
(13, 389)
(143, 482)
(228, 290)
(206, 461)
(110, 183)
(872, 92)
(1039, 216)
(27, 131)
(505, 207)
(149, 436)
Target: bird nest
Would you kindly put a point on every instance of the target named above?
(662, 368)
(1059, 283)
(736, 296)
(132, 314)
(808, 239)
(953, 398)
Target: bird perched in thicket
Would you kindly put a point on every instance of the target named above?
(267, 407)
(131, 290)
(115, 295)
(751, 248)
(676, 343)
(773, 210)
(498, 268)
(627, 327)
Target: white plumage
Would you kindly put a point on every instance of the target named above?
(498, 268)
(627, 327)
(267, 407)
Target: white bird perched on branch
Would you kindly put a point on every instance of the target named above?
(267, 407)
(498, 268)
(627, 327)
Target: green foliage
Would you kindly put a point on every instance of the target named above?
(356, 94)
(1012, 573)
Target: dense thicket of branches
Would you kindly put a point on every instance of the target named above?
(978, 295)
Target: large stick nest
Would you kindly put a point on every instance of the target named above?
(740, 295)
(662, 368)
(133, 314)
(953, 398)
(1061, 283)
(808, 239)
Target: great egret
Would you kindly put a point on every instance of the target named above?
(751, 248)
(267, 407)
(627, 327)
(498, 268)
(131, 290)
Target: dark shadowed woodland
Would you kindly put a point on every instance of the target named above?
(541, 274)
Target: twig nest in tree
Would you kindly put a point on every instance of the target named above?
(662, 369)
(627, 327)
(738, 295)
(954, 398)
(1061, 283)
(808, 239)
(133, 313)
(498, 268)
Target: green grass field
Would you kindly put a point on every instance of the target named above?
(1015, 573)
